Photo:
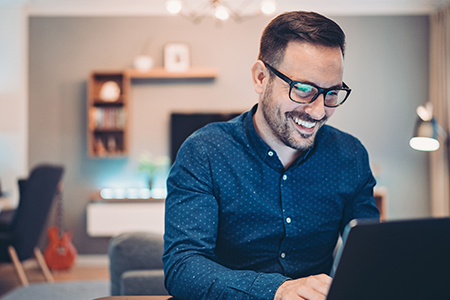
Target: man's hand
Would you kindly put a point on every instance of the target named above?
(308, 288)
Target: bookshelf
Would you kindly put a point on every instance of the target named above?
(108, 116)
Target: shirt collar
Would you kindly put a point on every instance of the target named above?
(257, 144)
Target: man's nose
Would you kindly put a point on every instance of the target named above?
(316, 109)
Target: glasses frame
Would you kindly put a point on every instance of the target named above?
(321, 91)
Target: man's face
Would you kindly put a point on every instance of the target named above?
(293, 124)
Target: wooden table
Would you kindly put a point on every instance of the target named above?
(136, 298)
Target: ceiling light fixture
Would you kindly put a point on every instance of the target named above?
(220, 9)
(173, 6)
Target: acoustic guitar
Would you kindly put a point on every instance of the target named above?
(60, 253)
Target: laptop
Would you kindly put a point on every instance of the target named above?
(395, 260)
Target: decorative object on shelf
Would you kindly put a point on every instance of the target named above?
(151, 166)
(110, 91)
(427, 130)
(220, 9)
(176, 57)
(100, 149)
(143, 63)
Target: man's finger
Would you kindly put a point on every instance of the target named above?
(319, 283)
(324, 278)
(310, 292)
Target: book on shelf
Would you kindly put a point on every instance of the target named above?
(107, 118)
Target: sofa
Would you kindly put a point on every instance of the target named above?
(135, 264)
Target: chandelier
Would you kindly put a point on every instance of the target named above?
(220, 9)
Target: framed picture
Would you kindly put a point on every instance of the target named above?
(176, 57)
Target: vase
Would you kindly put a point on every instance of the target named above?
(150, 184)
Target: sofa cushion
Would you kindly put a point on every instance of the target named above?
(143, 282)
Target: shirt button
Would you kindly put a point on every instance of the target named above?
(270, 153)
(288, 220)
(284, 177)
(283, 255)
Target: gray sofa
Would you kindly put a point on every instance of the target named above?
(135, 264)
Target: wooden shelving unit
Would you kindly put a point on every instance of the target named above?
(107, 120)
(107, 130)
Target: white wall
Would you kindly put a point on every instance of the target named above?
(13, 96)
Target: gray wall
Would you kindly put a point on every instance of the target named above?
(386, 65)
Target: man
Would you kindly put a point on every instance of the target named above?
(255, 206)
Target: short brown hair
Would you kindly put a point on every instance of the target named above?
(298, 26)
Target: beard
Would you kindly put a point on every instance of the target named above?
(282, 124)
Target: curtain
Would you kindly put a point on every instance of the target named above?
(440, 97)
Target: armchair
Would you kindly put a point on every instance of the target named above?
(19, 237)
(136, 266)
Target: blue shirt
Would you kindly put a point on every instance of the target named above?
(238, 224)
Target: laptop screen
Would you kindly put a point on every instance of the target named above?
(408, 259)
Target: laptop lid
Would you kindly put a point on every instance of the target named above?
(408, 259)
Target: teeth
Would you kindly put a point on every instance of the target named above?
(304, 123)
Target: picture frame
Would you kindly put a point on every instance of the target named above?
(176, 57)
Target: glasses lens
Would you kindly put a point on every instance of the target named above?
(304, 93)
(335, 97)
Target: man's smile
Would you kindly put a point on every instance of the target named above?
(305, 124)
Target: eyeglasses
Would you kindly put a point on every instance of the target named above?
(304, 93)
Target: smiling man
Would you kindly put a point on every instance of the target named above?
(284, 125)
(255, 205)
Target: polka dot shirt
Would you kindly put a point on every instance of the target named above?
(238, 224)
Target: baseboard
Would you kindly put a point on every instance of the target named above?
(92, 260)
(85, 260)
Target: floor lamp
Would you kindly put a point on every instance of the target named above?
(427, 130)
(427, 133)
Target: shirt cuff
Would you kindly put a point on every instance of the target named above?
(265, 286)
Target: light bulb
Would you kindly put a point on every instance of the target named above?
(268, 6)
(144, 193)
(424, 144)
(119, 193)
(107, 193)
(132, 193)
(173, 6)
(221, 13)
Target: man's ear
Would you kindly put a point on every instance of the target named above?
(259, 76)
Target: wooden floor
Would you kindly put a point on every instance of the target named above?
(84, 269)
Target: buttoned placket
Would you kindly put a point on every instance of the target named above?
(287, 218)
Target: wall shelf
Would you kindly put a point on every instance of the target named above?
(107, 130)
(161, 73)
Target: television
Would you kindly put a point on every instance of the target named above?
(182, 125)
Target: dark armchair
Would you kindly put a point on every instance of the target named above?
(19, 238)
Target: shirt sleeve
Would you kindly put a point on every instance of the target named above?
(192, 270)
(362, 205)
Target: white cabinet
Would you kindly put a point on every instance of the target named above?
(110, 218)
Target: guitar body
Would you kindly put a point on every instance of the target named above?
(60, 253)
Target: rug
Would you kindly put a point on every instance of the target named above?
(67, 290)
